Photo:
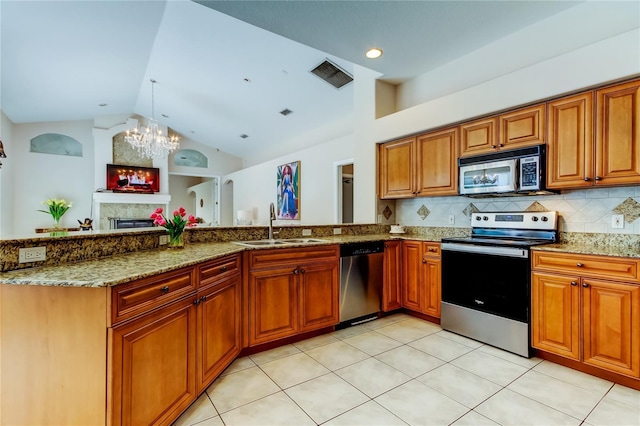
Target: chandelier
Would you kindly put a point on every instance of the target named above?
(151, 143)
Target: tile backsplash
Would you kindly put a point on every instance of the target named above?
(586, 210)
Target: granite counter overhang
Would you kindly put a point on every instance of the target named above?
(123, 268)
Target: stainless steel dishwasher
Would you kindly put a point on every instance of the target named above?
(360, 282)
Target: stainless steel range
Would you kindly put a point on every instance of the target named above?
(486, 278)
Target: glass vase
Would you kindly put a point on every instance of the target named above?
(175, 242)
(57, 231)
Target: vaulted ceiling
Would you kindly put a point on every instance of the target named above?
(227, 68)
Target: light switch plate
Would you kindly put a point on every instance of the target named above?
(452, 219)
(337, 231)
(164, 240)
(617, 221)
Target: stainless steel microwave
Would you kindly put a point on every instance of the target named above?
(515, 172)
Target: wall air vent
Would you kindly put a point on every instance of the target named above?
(332, 74)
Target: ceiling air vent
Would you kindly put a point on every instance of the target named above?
(332, 74)
(286, 112)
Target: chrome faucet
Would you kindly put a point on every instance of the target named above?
(272, 217)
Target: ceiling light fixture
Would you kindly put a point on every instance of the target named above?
(373, 53)
(152, 143)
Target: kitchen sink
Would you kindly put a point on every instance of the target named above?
(288, 241)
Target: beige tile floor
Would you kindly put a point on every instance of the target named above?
(400, 370)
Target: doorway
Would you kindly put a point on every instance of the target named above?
(344, 191)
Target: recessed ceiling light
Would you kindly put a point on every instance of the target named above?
(102, 105)
(246, 80)
(165, 115)
(286, 112)
(244, 136)
(373, 53)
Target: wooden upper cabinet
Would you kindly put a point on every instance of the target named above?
(524, 127)
(516, 129)
(437, 163)
(396, 169)
(618, 134)
(479, 136)
(419, 166)
(570, 142)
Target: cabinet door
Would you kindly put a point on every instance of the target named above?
(411, 275)
(219, 319)
(618, 134)
(611, 313)
(153, 365)
(524, 127)
(392, 268)
(570, 142)
(273, 305)
(319, 292)
(479, 137)
(431, 273)
(437, 155)
(555, 314)
(396, 170)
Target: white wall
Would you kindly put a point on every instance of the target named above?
(38, 177)
(254, 188)
(220, 163)
(6, 177)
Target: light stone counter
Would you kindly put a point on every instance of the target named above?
(584, 248)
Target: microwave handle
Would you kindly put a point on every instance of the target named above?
(516, 174)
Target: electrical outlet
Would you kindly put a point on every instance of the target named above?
(306, 232)
(164, 240)
(337, 231)
(32, 254)
(452, 219)
(617, 221)
(379, 218)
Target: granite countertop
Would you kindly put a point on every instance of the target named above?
(594, 249)
(119, 269)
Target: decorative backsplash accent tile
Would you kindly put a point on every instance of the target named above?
(387, 212)
(470, 209)
(630, 208)
(536, 207)
(423, 212)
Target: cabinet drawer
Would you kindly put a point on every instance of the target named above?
(432, 249)
(259, 259)
(218, 269)
(138, 297)
(587, 265)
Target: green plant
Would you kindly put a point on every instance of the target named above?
(56, 208)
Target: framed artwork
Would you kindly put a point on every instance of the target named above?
(288, 191)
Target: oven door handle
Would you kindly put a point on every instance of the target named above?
(492, 250)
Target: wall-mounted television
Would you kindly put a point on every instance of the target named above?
(133, 179)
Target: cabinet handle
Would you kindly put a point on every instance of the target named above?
(424, 261)
(165, 289)
(573, 283)
(431, 249)
(585, 285)
(493, 146)
(295, 271)
(598, 177)
(579, 265)
(197, 302)
(501, 145)
(223, 269)
(203, 298)
(587, 179)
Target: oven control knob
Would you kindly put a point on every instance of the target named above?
(485, 218)
(534, 218)
(545, 219)
(478, 218)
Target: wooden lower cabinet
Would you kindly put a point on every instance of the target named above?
(273, 305)
(219, 322)
(291, 291)
(585, 318)
(392, 270)
(421, 277)
(153, 366)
